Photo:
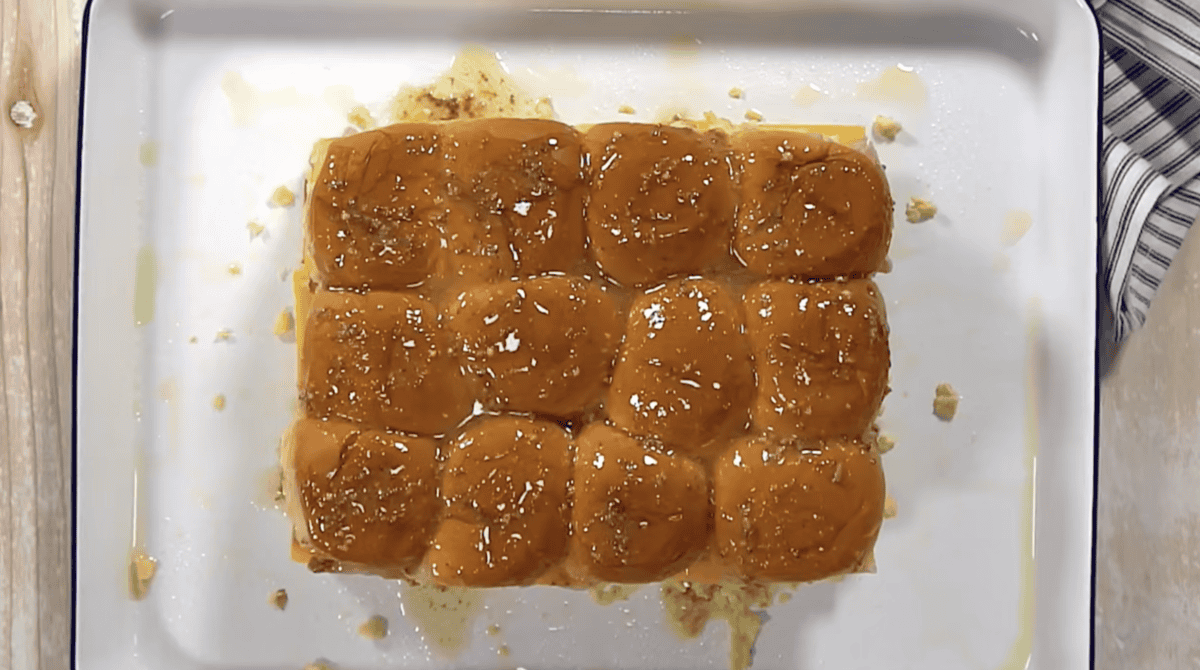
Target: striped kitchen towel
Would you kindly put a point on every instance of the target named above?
(1150, 147)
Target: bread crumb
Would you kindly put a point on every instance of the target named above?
(361, 117)
(890, 508)
(885, 444)
(224, 335)
(753, 115)
(886, 128)
(375, 628)
(193, 339)
(279, 599)
(285, 326)
(141, 572)
(502, 651)
(737, 93)
(607, 594)
(283, 197)
(493, 629)
(945, 402)
(234, 269)
(219, 402)
(919, 210)
(784, 597)
(255, 228)
(626, 109)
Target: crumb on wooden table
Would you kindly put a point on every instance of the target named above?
(737, 93)
(919, 209)
(219, 402)
(626, 109)
(945, 402)
(279, 599)
(375, 628)
(283, 197)
(753, 115)
(886, 128)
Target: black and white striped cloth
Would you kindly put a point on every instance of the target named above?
(1150, 148)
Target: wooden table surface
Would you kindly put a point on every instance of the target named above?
(1149, 532)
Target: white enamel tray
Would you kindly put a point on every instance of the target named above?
(194, 112)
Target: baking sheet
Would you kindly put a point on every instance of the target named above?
(195, 112)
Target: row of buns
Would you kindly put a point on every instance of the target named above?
(484, 199)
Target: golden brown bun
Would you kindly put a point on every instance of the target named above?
(377, 208)
(528, 175)
(684, 373)
(662, 200)
(639, 514)
(368, 496)
(507, 510)
(810, 207)
(821, 356)
(384, 360)
(538, 345)
(797, 511)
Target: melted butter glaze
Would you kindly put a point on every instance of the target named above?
(662, 200)
(797, 511)
(640, 515)
(809, 207)
(507, 508)
(684, 374)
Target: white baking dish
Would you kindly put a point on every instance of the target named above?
(171, 170)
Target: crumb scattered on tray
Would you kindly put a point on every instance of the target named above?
(255, 228)
(317, 666)
(502, 651)
(736, 92)
(890, 509)
(279, 599)
(886, 128)
(224, 335)
(285, 326)
(219, 402)
(607, 594)
(234, 269)
(885, 444)
(689, 606)
(141, 572)
(283, 197)
(193, 339)
(753, 115)
(361, 117)
(493, 629)
(375, 628)
(919, 210)
(784, 597)
(626, 109)
(945, 402)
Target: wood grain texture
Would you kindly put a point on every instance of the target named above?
(40, 65)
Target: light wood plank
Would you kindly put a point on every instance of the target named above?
(40, 64)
